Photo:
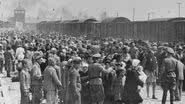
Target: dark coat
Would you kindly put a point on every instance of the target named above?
(131, 92)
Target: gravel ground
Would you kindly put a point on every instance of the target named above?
(11, 94)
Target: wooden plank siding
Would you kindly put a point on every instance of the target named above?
(141, 30)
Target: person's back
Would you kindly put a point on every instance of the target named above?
(48, 82)
(170, 64)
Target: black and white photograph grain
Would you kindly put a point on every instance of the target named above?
(92, 51)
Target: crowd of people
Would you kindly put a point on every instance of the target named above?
(76, 70)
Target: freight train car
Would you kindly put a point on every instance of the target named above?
(164, 29)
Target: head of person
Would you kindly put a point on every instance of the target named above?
(76, 61)
(96, 57)
(24, 65)
(37, 57)
(53, 51)
(132, 44)
(84, 67)
(51, 61)
(8, 48)
(126, 50)
(135, 62)
(170, 51)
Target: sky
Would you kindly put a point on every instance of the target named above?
(70, 9)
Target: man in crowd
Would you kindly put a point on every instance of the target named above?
(168, 75)
(180, 78)
(9, 58)
(25, 82)
(36, 78)
(51, 82)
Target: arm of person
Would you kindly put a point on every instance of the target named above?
(55, 78)
(58, 71)
(22, 82)
(138, 81)
(101, 68)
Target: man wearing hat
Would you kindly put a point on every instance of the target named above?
(51, 82)
(95, 71)
(168, 75)
(36, 78)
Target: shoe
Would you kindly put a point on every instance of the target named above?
(153, 97)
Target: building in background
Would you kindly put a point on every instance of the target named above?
(19, 14)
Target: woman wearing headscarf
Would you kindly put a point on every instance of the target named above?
(119, 82)
(131, 93)
(73, 95)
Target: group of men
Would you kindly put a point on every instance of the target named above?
(74, 70)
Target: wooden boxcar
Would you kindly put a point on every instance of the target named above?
(163, 29)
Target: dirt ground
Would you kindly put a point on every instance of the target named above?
(11, 94)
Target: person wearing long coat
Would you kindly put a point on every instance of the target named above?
(51, 82)
(8, 61)
(131, 93)
(180, 78)
(1, 58)
(95, 71)
(25, 82)
(73, 95)
(36, 79)
(118, 83)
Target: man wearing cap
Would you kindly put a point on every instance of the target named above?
(168, 75)
(51, 82)
(95, 71)
(36, 78)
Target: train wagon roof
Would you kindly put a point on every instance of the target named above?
(70, 21)
(115, 20)
(168, 19)
(89, 20)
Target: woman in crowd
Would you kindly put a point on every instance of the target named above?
(151, 70)
(73, 95)
(131, 93)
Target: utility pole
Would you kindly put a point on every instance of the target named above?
(133, 14)
(148, 16)
(179, 6)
